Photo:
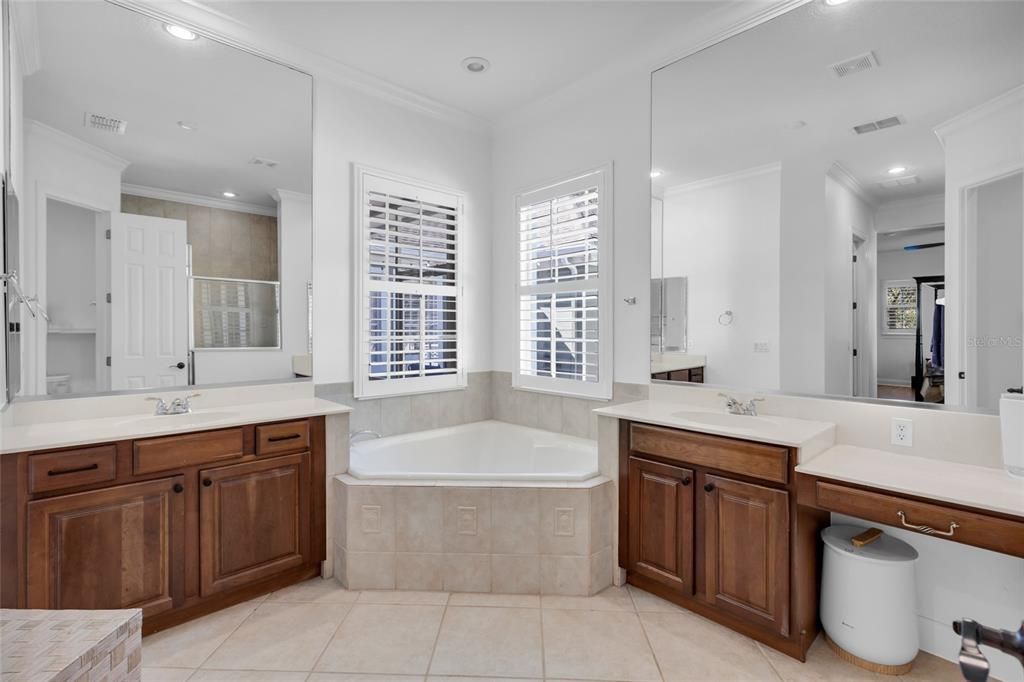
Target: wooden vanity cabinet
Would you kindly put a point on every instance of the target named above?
(178, 526)
(711, 523)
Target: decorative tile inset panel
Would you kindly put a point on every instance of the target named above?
(372, 515)
(466, 520)
(564, 522)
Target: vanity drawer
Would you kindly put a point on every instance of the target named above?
(175, 452)
(769, 462)
(973, 528)
(272, 439)
(70, 468)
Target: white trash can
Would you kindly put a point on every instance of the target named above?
(869, 598)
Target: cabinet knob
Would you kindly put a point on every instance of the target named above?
(207, 482)
(686, 480)
(708, 487)
(178, 487)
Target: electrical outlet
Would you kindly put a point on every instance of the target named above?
(762, 347)
(902, 432)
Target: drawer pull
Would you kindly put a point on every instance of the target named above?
(928, 530)
(73, 470)
(277, 439)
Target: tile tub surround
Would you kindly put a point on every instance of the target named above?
(39, 645)
(549, 538)
(620, 634)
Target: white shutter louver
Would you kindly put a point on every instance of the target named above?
(562, 298)
(410, 293)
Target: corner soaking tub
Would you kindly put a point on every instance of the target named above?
(487, 450)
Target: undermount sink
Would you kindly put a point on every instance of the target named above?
(178, 420)
(736, 421)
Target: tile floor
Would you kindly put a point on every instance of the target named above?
(318, 631)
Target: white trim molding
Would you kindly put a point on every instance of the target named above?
(76, 146)
(199, 199)
(742, 174)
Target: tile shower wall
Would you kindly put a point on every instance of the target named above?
(489, 396)
(224, 243)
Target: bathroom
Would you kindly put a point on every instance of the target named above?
(361, 412)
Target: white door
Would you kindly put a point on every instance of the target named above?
(148, 302)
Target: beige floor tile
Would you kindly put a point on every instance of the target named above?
(247, 676)
(188, 645)
(315, 590)
(442, 678)
(647, 602)
(821, 664)
(395, 639)
(611, 599)
(279, 636)
(596, 645)
(522, 601)
(166, 674)
(934, 669)
(403, 597)
(688, 647)
(498, 642)
(358, 677)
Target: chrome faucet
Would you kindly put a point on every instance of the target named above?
(735, 406)
(176, 406)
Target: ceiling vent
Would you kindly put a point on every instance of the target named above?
(107, 124)
(900, 182)
(266, 163)
(880, 124)
(848, 67)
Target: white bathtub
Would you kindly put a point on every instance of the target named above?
(488, 450)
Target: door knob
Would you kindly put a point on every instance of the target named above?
(178, 365)
(686, 480)
(207, 482)
(708, 487)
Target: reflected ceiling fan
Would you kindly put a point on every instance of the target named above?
(922, 247)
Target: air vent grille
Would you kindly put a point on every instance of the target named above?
(848, 67)
(880, 124)
(107, 124)
(267, 163)
(900, 182)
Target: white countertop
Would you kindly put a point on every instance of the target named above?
(810, 437)
(59, 434)
(671, 361)
(962, 484)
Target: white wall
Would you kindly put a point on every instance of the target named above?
(910, 214)
(354, 128)
(896, 353)
(723, 235)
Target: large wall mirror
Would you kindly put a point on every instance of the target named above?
(837, 205)
(158, 226)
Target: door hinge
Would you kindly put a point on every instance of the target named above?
(108, 361)
(854, 305)
(855, 259)
(107, 234)
(962, 375)
(108, 297)
(854, 352)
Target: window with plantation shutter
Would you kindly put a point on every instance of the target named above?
(564, 287)
(409, 287)
(899, 307)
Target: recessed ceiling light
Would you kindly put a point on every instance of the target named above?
(655, 174)
(229, 195)
(896, 170)
(187, 126)
(833, 3)
(180, 32)
(475, 64)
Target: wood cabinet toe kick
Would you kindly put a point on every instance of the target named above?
(966, 525)
(177, 526)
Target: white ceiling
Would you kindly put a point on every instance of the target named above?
(534, 48)
(726, 109)
(97, 57)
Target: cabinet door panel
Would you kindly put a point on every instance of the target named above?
(115, 548)
(746, 550)
(254, 521)
(661, 523)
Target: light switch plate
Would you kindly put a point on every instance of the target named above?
(902, 432)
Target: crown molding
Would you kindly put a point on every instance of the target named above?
(290, 195)
(844, 177)
(972, 116)
(744, 174)
(197, 200)
(226, 29)
(75, 145)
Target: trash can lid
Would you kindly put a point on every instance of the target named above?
(884, 548)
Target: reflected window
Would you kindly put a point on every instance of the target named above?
(900, 301)
(235, 313)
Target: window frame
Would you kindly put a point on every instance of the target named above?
(600, 176)
(363, 388)
(885, 307)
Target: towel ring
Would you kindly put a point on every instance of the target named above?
(725, 319)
